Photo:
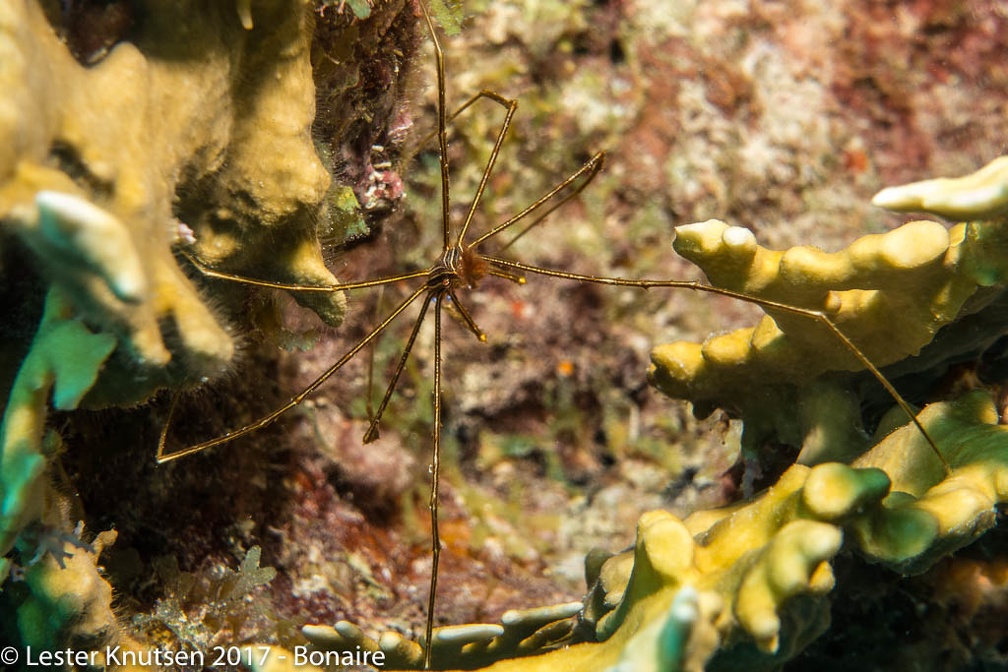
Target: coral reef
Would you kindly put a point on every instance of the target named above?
(130, 129)
(114, 126)
(747, 586)
(66, 600)
(769, 117)
(139, 139)
(98, 161)
(361, 75)
(781, 118)
(767, 562)
(895, 504)
(921, 272)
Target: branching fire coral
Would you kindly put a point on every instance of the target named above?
(98, 160)
(747, 587)
(920, 272)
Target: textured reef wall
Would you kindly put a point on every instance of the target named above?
(748, 586)
(750, 583)
(132, 129)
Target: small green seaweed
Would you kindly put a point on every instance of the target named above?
(199, 611)
(360, 8)
(347, 220)
(449, 14)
